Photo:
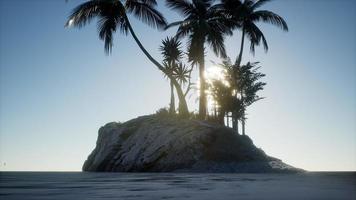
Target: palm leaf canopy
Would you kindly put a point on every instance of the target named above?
(245, 15)
(249, 82)
(171, 49)
(182, 73)
(202, 22)
(111, 15)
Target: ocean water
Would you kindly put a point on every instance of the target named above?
(155, 186)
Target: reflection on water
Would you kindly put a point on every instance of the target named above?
(76, 185)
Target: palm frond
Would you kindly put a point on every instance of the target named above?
(215, 39)
(84, 13)
(171, 49)
(248, 3)
(259, 3)
(106, 28)
(177, 23)
(182, 6)
(110, 14)
(145, 11)
(270, 17)
(148, 2)
(182, 73)
(185, 28)
(255, 36)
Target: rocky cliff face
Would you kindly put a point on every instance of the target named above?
(166, 144)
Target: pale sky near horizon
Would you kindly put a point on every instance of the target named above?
(57, 86)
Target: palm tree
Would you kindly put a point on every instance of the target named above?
(202, 23)
(112, 16)
(222, 91)
(245, 15)
(172, 53)
(221, 94)
(249, 85)
(232, 77)
(183, 75)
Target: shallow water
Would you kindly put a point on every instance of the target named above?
(78, 185)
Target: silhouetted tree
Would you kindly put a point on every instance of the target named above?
(172, 60)
(183, 76)
(221, 94)
(112, 16)
(232, 76)
(236, 91)
(202, 23)
(245, 15)
(172, 53)
(249, 85)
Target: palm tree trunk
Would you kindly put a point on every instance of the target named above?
(238, 60)
(235, 123)
(221, 116)
(243, 115)
(243, 123)
(237, 126)
(183, 108)
(215, 110)
(172, 107)
(202, 97)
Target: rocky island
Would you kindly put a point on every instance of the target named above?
(156, 143)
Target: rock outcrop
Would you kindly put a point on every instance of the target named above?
(167, 144)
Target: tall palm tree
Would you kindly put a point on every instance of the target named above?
(202, 23)
(245, 15)
(112, 16)
(172, 53)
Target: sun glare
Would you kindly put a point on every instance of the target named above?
(211, 74)
(70, 22)
(215, 73)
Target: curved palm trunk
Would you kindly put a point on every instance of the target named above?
(202, 97)
(183, 108)
(239, 58)
(172, 107)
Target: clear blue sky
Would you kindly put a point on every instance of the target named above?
(57, 87)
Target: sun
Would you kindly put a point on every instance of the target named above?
(211, 74)
(215, 73)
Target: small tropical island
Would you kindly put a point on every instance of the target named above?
(175, 139)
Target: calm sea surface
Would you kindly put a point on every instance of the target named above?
(78, 185)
